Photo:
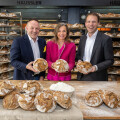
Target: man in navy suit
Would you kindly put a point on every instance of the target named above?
(25, 50)
(96, 48)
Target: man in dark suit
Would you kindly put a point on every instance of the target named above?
(25, 50)
(96, 48)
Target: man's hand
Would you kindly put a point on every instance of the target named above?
(29, 66)
(41, 78)
(93, 69)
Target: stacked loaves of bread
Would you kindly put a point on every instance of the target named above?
(30, 95)
(40, 64)
(97, 97)
(84, 67)
(61, 66)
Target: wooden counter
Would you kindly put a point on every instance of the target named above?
(82, 88)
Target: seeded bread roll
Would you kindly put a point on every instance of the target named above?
(109, 98)
(93, 98)
(44, 102)
(62, 99)
(26, 102)
(10, 101)
(6, 87)
(61, 66)
(40, 64)
(31, 87)
(84, 66)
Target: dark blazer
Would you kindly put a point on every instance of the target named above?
(21, 54)
(102, 56)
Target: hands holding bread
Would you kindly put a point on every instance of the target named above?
(85, 67)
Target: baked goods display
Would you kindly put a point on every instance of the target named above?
(116, 52)
(6, 87)
(84, 66)
(116, 44)
(44, 102)
(63, 87)
(12, 15)
(40, 64)
(61, 66)
(93, 98)
(8, 32)
(118, 35)
(108, 15)
(31, 87)
(97, 97)
(77, 41)
(3, 42)
(12, 33)
(62, 99)
(4, 50)
(26, 102)
(46, 25)
(110, 25)
(4, 67)
(50, 33)
(109, 98)
(109, 34)
(116, 62)
(10, 101)
(42, 33)
(2, 24)
(3, 33)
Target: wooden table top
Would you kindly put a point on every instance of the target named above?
(82, 88)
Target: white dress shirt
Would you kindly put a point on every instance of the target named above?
(89, 47)
(35, 47)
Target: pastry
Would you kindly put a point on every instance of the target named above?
(6, 87)
(44, 102)
(40, 64)
(84, 66)
(12, 33)
(61, 66)
(10, 101)
(62, 99)
(3, 15)
(12, 15)
(109, 98)
(50, 33)
(93, 98)
(26, 102)
(3, 33)
(3, 42)
(31, 87)
(4, 50)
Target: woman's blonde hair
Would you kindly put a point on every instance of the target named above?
(57, 30)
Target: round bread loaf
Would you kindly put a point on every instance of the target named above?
(6, 87)
(26, 102)
(109, 98)
(44, 101)
(62, 99)
(32, 87)
(10, 101)
(61, 66)
(40, 64)
(84, 66)
(93, 98)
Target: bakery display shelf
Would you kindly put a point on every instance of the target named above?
(110, 18)
(7, 35)
(10, 78)
(5, 44)
(9, 17)
(9, 70)
(116, 46)
(110, 27)
(7, 26)
(6, 53)
(4, 62)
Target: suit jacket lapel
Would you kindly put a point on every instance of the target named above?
(29, 48)
(40, 47)
(83, 46)
(96, 44)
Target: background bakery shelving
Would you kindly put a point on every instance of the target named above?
(11, 27)
(110, 25)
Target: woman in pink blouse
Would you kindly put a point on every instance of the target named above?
(60, 47)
